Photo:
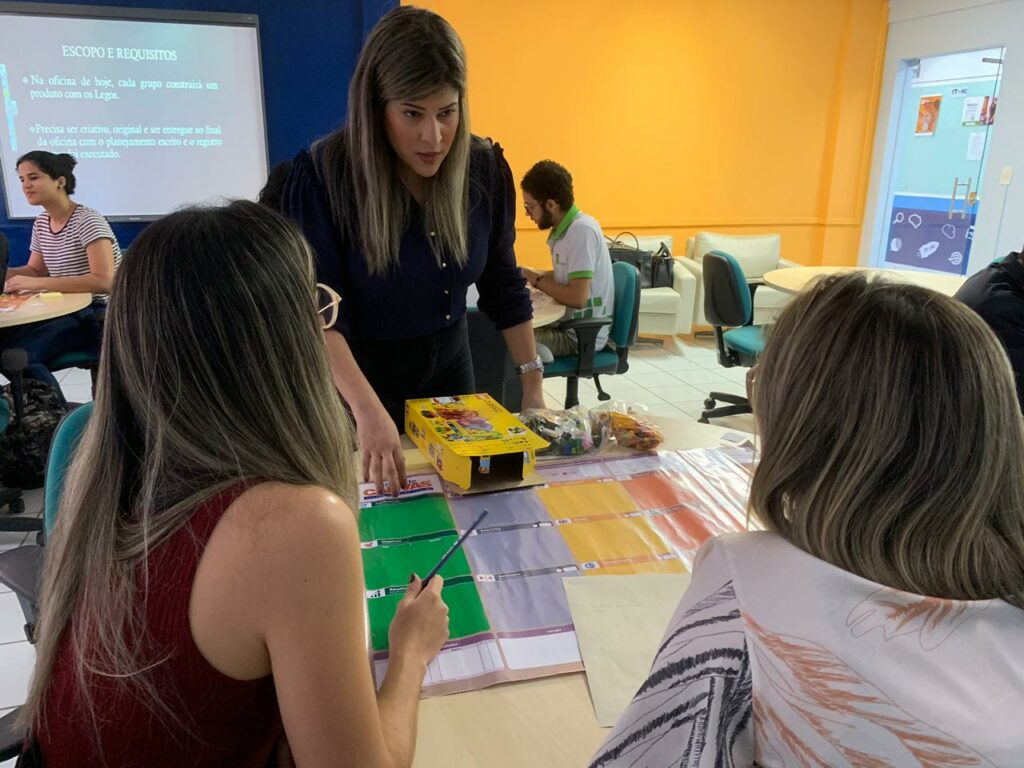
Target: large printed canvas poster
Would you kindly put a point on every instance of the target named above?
(509, 616)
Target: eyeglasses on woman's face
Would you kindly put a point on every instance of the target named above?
(327, 301)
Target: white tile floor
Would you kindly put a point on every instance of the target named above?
(672, 381)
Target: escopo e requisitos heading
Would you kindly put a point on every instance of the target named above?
(110, 52)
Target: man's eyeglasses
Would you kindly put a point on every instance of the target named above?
(327, 301)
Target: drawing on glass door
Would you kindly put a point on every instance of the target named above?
(944, 112)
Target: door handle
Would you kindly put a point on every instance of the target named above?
(952, 198)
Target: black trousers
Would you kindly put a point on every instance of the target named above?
(435, 365)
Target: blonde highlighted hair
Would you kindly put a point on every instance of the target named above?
(892, 440)
(410, 54)
(213, 373)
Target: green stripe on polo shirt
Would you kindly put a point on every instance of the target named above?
(588, 274)
(564, 224)
(590, 309)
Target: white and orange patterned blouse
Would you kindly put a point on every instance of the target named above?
(776, 658)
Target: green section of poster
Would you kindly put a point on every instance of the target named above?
(387, 567)
(390, 566)
(466, 614)
(403, 519)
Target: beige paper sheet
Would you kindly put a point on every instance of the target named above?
(620, 621)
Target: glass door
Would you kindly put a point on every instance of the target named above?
(944, 113)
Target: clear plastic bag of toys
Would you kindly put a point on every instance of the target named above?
(628, 425)
(569, 432)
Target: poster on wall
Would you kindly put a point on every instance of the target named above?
(928, 115)
(979, 110)
(975, 146)
(989, 109)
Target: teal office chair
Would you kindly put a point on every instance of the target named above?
(729, 307)
(86, 360)
(65, 441)
(623, 334)
(21, 568)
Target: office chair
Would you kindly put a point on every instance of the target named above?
(21, 568)
(729, 306)
(623, 334)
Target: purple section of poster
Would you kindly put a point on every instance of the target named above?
(523, 549)
(502, 508)
(930, 239)
(529, 603)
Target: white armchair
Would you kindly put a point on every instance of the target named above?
(757, 254)
(667, 311)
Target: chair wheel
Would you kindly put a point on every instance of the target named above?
(710, 403)
(702, 420)
(16, 506)
(604, 396)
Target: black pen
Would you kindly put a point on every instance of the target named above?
(451, 550)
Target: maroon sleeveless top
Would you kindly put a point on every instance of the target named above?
(229, 722)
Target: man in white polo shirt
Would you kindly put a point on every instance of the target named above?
(582, 274)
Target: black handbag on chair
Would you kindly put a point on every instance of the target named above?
(655, 267)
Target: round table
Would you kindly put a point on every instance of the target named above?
(545, 309)
(795, 279)
(38, 309)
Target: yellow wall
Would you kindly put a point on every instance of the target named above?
(676, 116)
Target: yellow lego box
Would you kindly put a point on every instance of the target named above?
(472, 441)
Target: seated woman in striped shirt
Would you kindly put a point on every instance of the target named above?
(73, 251)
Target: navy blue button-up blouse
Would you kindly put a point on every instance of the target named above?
(420, 296)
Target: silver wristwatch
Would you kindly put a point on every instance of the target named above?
(533, 365)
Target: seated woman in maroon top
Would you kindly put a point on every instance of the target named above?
(203, 593)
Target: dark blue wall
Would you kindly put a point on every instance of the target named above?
(309, 49)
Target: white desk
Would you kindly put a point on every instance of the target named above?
(38, 309)
(795, 279)
(534, 723)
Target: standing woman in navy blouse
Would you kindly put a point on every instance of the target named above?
(405, 209)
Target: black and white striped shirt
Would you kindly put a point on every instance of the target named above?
(64, 251)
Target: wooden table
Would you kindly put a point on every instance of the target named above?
(795, 279)
(38, 309)
(534, 723)
(545, 309)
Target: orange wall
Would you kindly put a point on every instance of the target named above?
(676, 116)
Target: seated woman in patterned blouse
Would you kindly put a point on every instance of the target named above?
(878, 620)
